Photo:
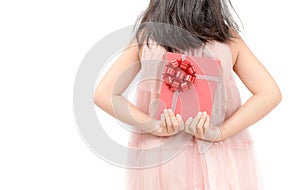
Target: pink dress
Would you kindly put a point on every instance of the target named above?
(226, 165)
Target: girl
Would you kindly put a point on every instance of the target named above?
(203, 28)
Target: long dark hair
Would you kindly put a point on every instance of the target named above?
(179, 25)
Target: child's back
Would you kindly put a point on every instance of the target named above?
(228, 164)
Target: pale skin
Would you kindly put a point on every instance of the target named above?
(265, 96)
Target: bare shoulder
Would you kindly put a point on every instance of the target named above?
(236, 45)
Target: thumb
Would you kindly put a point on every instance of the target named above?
(187, 124)
(181, 123)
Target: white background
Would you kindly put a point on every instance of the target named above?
(41, 46)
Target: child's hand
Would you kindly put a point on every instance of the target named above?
(169, 124)
(200, 127)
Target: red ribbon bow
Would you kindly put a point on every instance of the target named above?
(179, 75)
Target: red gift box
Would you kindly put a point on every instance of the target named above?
(189, 84)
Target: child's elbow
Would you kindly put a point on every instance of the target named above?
(276, 96)
(100, 99)
(97, 99)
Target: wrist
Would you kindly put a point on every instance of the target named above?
(152, 126)
(216, 133)
(221, 136)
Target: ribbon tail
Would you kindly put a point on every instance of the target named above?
(174, 101)
(205, 77)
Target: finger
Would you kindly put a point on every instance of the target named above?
(181, 123)
(195, 123)
(206, 124)
(163, 123)
(168, 121)
(201, 125)
(162, 116)
(202, 119)
(188, 121)
(175, 123)
(187, 125)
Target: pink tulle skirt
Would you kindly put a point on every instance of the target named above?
(225, 165)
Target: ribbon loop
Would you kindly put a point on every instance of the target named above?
(179, 75)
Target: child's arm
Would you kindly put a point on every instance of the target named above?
(265, 92)
(108, 96)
